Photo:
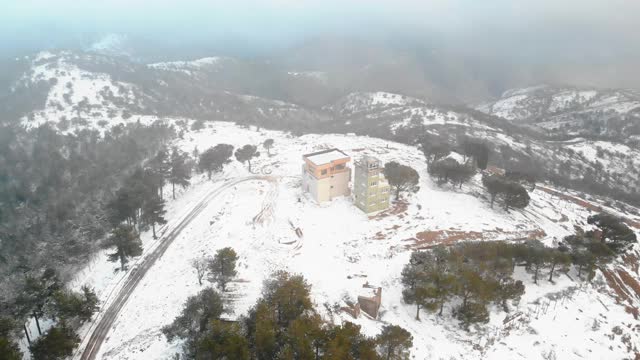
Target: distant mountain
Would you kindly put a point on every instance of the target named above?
(583, 138)
(112, 45)
(571, 111)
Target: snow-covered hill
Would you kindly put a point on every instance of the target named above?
(341, 249)
(571, 110)
(358, 102)
(91, 91)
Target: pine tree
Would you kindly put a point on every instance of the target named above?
(153, 212)
(614, 232)
(160, 167)
(289, 295)
(68, 304)
(196, 316)
(8, 349)
(472, 313)
(265, 331)
(558, 259)
(178, 171)
(347, 342)
(394, 343)
(515, 196)
(268, 144)
(412, 278)
(494, 185)
(126, 242)
(37, 292)
(223, 267)
(509, 290)
(537, 258)
(401, 177)
(223, 340)
(57, 343)
(213, 159)
(305, 336)
(434, 150)
(246, 153)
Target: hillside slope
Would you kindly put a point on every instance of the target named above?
(341, 249)
(571, 111)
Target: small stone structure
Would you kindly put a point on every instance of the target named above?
(370, 305)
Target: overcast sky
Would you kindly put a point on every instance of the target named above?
(610, 25)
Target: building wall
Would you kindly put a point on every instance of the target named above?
(371, 190)
(326, 170)
(326, 187)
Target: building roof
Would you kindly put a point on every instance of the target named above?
(325, 156)
(368, 159)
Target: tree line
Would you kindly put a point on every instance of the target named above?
(53, 191)
(469, 277)
(283, 324)
(46, 296)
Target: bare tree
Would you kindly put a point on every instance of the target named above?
(200, 264)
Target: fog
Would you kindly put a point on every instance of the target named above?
(587, 41)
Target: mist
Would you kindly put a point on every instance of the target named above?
(503, 43)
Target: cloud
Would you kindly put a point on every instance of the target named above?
(472, 23)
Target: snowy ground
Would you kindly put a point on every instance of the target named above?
(342, 248)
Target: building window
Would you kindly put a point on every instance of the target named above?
(339, 167)
(373, 183)
(323, 172)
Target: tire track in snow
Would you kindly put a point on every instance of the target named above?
(103, 325)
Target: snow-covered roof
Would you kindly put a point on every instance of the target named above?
(459, 158)
(326, 156)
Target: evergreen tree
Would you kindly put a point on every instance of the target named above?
(268, 144)
(305, 336)
(223, 267)
(537, 258)
(288, 295)
(394, 343)
(179, 172)
(414, 292)
(213, 159)
(434, 150)
(195, 320)
(246, 153)
(346, 342)
(153, 212)
(57, 343)
(37, 292)
(265, 331)
(472, 313)
(558, 260)
(126, 242)
(494, 185)
(161, 168)
(515, 196)
(223, 340)
(8, 349)
(401, 177)
(461, 173)
(508, 289)
(69, 304)
(613, 231)
(478, 150)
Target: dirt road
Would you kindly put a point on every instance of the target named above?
(101, 328)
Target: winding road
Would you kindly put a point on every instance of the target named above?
(100, 329)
